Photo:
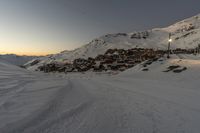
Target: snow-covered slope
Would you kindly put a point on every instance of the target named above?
(132, 102)
(185, 34)
(15, 59)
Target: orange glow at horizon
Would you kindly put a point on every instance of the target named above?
(34, 49)
(23, 43)
(28, 53)
(31, 49)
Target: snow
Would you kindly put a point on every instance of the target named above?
(131, 102)
(15, 59)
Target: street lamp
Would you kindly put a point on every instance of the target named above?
(169, 43)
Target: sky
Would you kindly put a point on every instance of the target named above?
(39, 27)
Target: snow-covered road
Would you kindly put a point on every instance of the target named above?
(127, 103)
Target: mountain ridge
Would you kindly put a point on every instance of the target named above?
(185, 35)
(14, 59)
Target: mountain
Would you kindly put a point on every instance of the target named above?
(16, 59)
(185, 34)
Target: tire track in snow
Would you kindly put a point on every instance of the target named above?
(7, 94)
(50, 114)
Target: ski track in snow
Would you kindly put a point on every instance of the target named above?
(42, 103)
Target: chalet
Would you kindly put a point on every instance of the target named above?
(100, 58)
(115, 56)
(51, 67)
(107, 61)
(116, 66)
(99, 67)
(130, 52)
(80, 61)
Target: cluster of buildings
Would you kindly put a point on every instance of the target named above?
(112, 59)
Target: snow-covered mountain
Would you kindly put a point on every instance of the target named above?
(15, 59)
(185, 34)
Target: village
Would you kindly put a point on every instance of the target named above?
(113, 60)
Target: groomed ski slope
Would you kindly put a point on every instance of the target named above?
(131, 102)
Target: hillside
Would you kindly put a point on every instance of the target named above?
(185, 34)
(15, 59)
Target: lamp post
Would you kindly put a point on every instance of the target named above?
(169, 43)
